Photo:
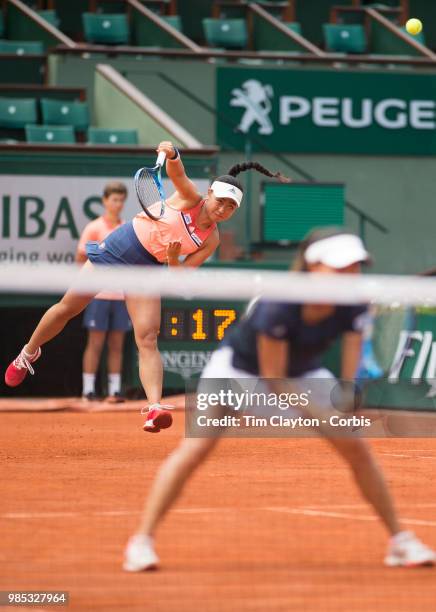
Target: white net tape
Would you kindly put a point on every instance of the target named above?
(214, 283)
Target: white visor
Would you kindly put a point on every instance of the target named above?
(337, 251)
(225, 190)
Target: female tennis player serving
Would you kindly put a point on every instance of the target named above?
(188, 227)
(279, 341)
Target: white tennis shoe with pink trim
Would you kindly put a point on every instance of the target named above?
(140, 555)
(406, 550)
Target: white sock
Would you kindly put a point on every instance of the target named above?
(29, 355)
(88, 384)
(114, 383)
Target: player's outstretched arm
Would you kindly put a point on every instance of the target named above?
(176, 172)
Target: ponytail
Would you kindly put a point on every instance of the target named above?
(238, 168)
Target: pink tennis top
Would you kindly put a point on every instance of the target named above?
(98, 230)
(174, 225)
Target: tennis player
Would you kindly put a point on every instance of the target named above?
(188, 228)
(279, 341)
(106, 317)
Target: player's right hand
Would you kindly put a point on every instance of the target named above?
(167, 147)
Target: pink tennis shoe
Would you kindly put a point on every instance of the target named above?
(18, 369)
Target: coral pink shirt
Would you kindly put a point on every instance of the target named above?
(98, 230)
(174, 225)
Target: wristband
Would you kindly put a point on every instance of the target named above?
(176, 155)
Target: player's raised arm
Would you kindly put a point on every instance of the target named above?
(176, 172)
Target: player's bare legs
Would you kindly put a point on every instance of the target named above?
(56, 317)
(170, 479)
(369, 478)
(168, 484)
(145, 316)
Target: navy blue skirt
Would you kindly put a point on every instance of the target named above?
(121, 247)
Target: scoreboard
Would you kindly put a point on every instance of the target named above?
(190, 331)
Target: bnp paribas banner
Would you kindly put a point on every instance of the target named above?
(327, 111)
(42, 217)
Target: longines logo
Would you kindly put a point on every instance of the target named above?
(185, 363)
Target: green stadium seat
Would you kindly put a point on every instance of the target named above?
(226, 33)
(174, 21)
(112, 137)
(420, 38)
(2, 24)
(17, 112)
(344, 38)
(50, 16)
(107, 28)
(63, 112)
(294, 26)
(50, 134)
(20, 47)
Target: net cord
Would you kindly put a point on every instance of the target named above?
(209, 283)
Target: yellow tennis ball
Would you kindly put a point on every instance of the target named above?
(414, 26)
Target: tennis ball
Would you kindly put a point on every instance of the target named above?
(414, 26)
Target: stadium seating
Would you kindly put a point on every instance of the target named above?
(2, 24)
(174, 21)
(112, 137)
(17, 112)
(20, 47)
(106, 28)
(420, 38)
(226, 33)
(50, 134)
(51, 17)
(344, 38)
(61, 112)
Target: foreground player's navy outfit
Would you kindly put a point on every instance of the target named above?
(283, 321)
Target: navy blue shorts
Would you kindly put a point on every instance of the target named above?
(121, 247)
(107, 315)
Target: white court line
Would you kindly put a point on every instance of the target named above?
(37, 515)
(408, 456)
(344, 515)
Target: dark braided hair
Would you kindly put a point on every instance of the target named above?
(238, 168)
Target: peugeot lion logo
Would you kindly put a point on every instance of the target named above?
(255, 98)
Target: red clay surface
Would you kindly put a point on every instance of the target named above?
(263, 525)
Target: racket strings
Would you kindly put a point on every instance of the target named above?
(147, 188)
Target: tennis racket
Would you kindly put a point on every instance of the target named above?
(149, 189)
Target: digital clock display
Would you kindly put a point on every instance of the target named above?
(197, 324)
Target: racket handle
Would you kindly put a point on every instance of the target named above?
(161, 158)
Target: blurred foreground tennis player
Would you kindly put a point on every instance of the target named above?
(279, 341)
(188, 227)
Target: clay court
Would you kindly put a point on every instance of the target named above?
(264, 525)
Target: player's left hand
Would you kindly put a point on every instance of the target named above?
(173, 252)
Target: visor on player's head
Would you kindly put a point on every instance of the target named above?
(337, 251)
(226, 190)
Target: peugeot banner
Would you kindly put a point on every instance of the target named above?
(326, 111)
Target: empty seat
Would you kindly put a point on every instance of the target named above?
(174, 21)
(51, 17)
(112, 137)
(17, 112)
(106, 28)
(420, 38)
(344, 38)
(62, 112)
(50, 134)
(227, 33)
(2, 24)
(293, 25)
(20, 47)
